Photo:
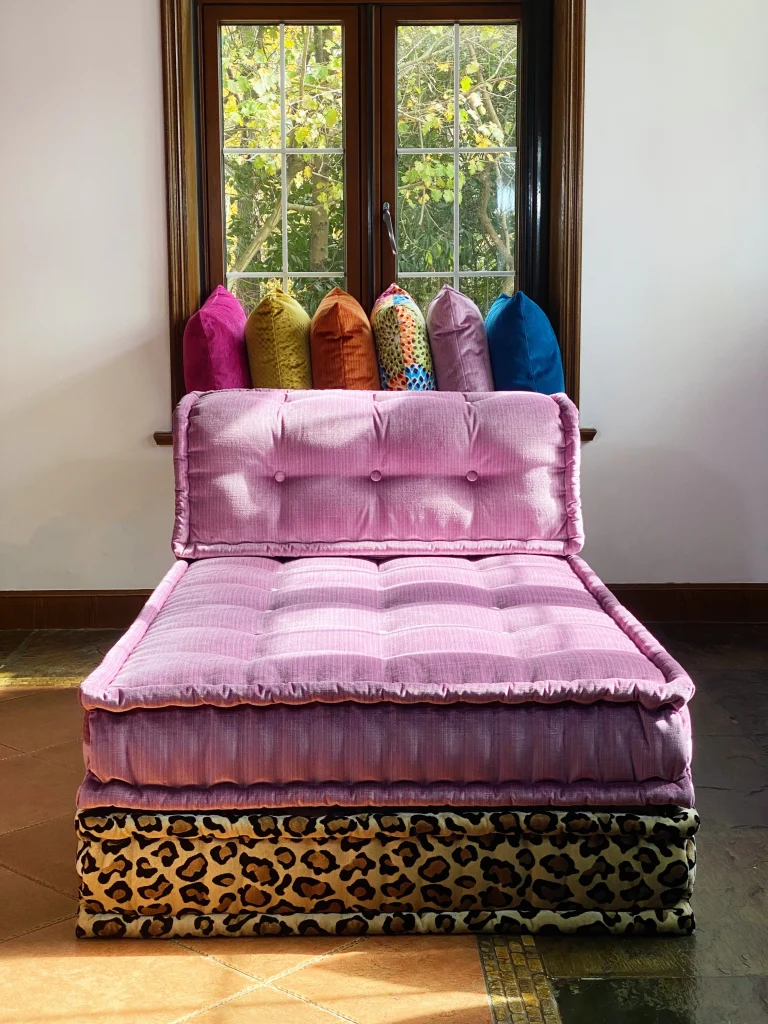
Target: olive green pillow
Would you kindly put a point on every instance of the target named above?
(277, 339)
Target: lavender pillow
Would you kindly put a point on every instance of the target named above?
(459, 345)
(214, 345)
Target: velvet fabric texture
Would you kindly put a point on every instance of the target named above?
(509, 629)
(346, 472)
(277, 338)
(545, 795)
(341, 342)
(405, 360)
(354, 743)
(525, 355)
(214, 345)
(458, 342)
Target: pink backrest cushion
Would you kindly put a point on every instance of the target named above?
(288, 473)
(459, 346)
(214, 345)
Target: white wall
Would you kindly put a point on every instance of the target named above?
(86, 498)
(674, 368)
(675, 293)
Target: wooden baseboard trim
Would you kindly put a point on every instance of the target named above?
(70, 609)
(650, 602)
(695, 602)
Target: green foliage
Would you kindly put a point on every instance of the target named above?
(253, 115)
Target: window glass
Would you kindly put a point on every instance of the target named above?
(456, 177)
(283, 159)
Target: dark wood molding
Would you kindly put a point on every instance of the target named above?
(695, 602)
(182, 170)
(164, 438)
(534, 158)
(566, 184)
(650, 602)
(70, 609)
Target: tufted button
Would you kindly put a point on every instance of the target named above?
(279, 476)
(375, 476)
(471, 476)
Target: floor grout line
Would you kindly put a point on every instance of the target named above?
(315, 960)
(219, 1002)
(34, 753)
(273, 977)
(268, 982)
(34, 824)
(38, 881)
(215, 959)
(39, 928)
(311, 1002)
(66, 814)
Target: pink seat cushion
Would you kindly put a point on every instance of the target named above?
(290, 473)
(508, 628)
(214, 345)
(389, 743)
(654, 792)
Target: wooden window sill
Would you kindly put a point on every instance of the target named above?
(164, 438)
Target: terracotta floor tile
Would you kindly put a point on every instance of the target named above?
(41, 720)
(266, 1005)
(432, 979)
(57, 656)
(45, 852)
(34, 791)
(10, 641)
(50, 977)
(265, 958)
(26, 905)
(69, 755)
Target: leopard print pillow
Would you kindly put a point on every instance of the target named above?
(405, 359)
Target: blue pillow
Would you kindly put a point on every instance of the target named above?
(525, 355)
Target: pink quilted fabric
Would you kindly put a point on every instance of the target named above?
(388, 743)
(505, 628)
(656, 792)
(368, 472)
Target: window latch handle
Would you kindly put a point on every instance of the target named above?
(387, 218)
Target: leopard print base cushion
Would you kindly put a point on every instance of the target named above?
(507, 871)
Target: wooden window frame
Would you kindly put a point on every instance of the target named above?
(552, 148)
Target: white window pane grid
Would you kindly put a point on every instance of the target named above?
(457, 150)
(284, 274)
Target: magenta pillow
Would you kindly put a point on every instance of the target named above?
(458, 342)
(214, 345)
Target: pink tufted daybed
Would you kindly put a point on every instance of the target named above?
(380, 692)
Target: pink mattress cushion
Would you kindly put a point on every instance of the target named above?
(289, 473)
(389, 743)
(507, 628)
(655, 792)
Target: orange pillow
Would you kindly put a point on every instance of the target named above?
(341, 345)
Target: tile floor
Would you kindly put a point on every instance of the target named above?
(719, 976)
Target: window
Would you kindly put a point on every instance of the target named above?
(277, 166)
(313, 145)
(454, 125)
(285, 141)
